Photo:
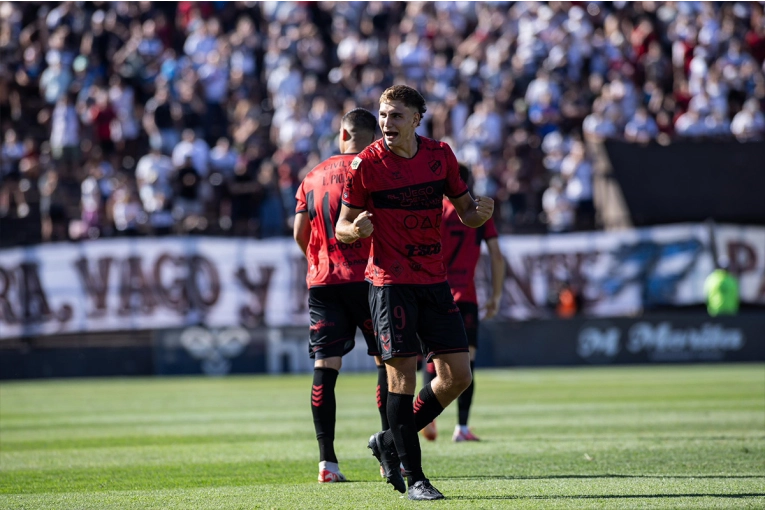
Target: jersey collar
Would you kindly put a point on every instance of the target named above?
(416, 136)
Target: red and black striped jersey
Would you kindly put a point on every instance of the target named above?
(462, 249)
(330, 262)
(405, 198)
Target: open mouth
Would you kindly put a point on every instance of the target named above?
(390, 135)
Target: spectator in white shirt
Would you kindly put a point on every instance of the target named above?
(153, 169)
(577, 171)
(597, 126)
(55, 80)
(192, 146)
(65, 130)
(749, 124)
(559, 212)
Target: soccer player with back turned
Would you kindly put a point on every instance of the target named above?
(337, 291)
(393, 194)
(461, 251)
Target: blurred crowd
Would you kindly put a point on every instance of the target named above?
(143, 118)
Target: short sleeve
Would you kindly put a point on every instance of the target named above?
(300, 197)
(455, 186)
(354, 193)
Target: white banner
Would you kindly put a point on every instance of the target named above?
(626, 272)
(170, 282)
(147, 283)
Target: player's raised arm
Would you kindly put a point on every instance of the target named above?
(473, 213)
(301, 231)
(353, 224)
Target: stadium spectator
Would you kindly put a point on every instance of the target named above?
(749, 123)
(558, 209)
(65, 132)
(721, 289)
(258, 75)
(577, 172)
(641, 128)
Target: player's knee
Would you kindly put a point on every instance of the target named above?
(333, 362)
(463, 381)
(457, 382)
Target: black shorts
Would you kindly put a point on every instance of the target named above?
(336, 311)
(410, 319)
(469, 312)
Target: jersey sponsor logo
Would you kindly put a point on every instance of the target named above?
(334, 164)
(420, 197)
(415, 266)
(423, 250)
(350, 263)
(435, 167)
(412, 222)
(356, 245)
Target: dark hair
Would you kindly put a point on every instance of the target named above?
(407, 95)
(360, 120)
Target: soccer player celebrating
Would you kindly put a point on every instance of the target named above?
(393, 193)
(461, 251)
(337, 291)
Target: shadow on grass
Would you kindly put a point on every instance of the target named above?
(615, 496)
(584, 477)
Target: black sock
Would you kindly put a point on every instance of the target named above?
(465, 400)
(426, 407)
(428, 374)
(382, 395)
(428, 410)
(401, 419)
(323, 407)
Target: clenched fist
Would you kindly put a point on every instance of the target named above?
(362, 225)
(484, 207)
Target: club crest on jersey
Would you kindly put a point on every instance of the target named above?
(348, 181)
(396, 269)
(356, 162)
(435, 167)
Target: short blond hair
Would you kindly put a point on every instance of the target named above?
(407, 95)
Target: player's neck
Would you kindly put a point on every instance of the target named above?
(408, 151)
(352, 149)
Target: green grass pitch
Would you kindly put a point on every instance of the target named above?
(617, 437)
